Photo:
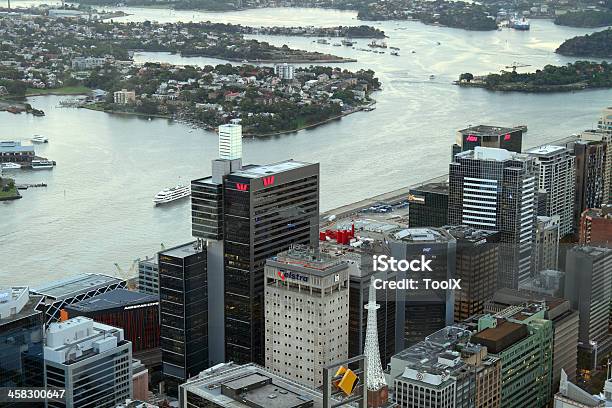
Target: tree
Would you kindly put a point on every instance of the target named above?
(467, 77)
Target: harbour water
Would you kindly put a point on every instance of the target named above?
(98, 210)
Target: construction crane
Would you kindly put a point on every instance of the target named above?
(129, 275)
(516, 65)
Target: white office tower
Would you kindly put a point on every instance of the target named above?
(230, 141)
(378, 392)
(306, 313)
(557, 178)
(91, 361)
(494, 189)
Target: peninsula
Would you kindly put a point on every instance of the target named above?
(596, 45)
(570, 77)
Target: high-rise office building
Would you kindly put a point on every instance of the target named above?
(494, 189)
(476, 265)
(445, 370)
(588, 286)
(306, 313)
(498, 137)
(603, 135)
(230, 141)
(526, 380)
(590, 175)
(564, 320)
(557, 178)
(21, 341)
(428, 205)
(266, 209)
(546, 249)
(596, 226)
(148, 276)
(91, 361)
(423, 311)
(183, 312)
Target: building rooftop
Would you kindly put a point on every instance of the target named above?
(421, 235)
(499, 338)
(182, 251)
(487, 130)
(306, 259)
(234, 386)
(604, 212)
(592, 251)
(492, 153)
(14, 147)
(257, 171)
(546, 150)
(74, 285)
(16, 303)
(113, 299)
(469, 234)
(437, 188)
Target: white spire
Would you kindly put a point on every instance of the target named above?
(375, 379)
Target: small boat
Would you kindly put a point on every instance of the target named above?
(10, 166)
(171, 194)
(438, 43)
(396, 53)
(337, 45)
(42, 164)
(413, 51)
(432, 76)
(39, 139)
(348, 43)
(322, 41)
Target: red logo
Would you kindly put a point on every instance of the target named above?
(507, 137)
(471, 138)
(281, 275)
(242, 186)
(268, 181)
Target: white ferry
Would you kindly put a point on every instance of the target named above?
(40, 139)
(10, 166)
(42, 164)
(171, 194)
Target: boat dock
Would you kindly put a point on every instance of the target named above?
(26, 186)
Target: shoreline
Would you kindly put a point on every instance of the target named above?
(252, 135)
(272, 61)
(546, 89)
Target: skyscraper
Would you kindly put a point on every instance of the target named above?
(596, 226)
(498, 137)
(476, 265)
(306, 314)
(423, 311)
(266, 209)
(546, 250)
(230, 141)
(91, 361)
(21, 340)
(590, 175)
(183, 312)
(494, 189)
(588, 286)
(557, 177)
(428, 205)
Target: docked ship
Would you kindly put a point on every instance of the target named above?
(168, 195)
(10, 166)
(347, 42)
(519, 24)
(41, 164)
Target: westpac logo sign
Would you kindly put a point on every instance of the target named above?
(242, 186)
(268, 181)
(284, 275)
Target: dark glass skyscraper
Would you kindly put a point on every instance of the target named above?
(183, 312)
(266, 209)
(428, 205)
